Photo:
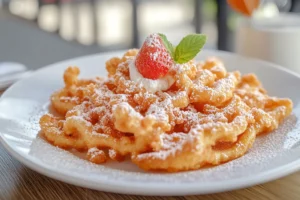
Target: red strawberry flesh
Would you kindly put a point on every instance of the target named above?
(153, 60)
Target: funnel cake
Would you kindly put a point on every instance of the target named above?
(208, 116)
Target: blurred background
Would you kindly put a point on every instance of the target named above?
(41, 32)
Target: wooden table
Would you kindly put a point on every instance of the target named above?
(17, 182)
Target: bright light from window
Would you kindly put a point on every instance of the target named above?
(48, 18)
(67, 22)
(114, 22)
(30, 9)
(16, 7)
(85, 24)
(24, 8)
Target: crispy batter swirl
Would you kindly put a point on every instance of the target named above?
(208, 117)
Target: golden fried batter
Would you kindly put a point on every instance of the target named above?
(208, 117)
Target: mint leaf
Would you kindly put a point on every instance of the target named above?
(167, 44)
(189, 47)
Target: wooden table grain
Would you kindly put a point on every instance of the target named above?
(18, 182)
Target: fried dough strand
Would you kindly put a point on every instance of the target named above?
(208, 117)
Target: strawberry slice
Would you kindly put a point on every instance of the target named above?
(153, 60)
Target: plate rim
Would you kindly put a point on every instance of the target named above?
(162, 189)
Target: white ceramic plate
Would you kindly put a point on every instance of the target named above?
(271, 157)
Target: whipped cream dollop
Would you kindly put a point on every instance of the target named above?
(161, 84)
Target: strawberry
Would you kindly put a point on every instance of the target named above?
(153, 60)
(157, 54)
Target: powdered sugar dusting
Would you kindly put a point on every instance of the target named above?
(260, 158)
(159, 111)
(112, 153)
(154, 41)
(269, 151)
(169, 146)
(154, 56)
(127, 107)
(94, 152)
(69, 99)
